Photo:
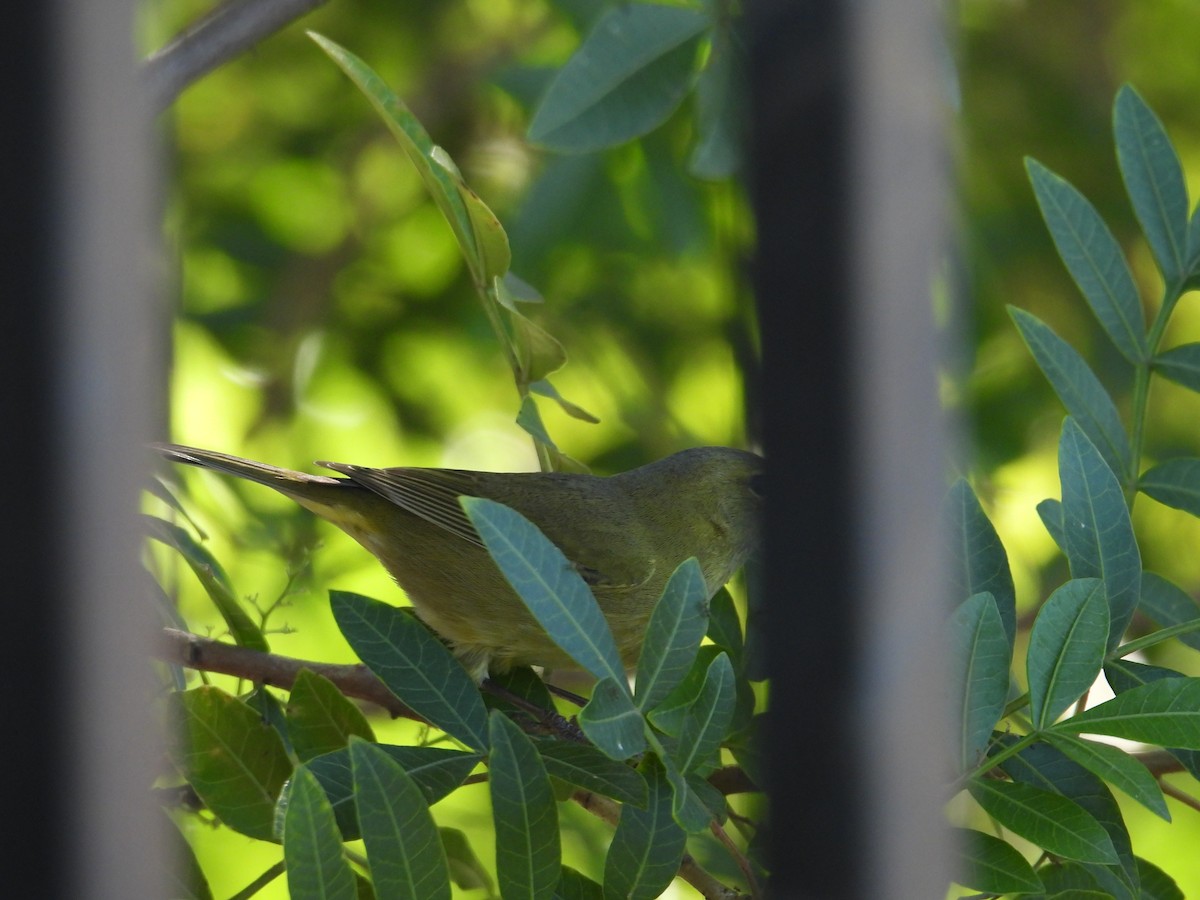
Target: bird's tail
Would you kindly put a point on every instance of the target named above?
(297, 485)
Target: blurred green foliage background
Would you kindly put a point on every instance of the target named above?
(324, 311)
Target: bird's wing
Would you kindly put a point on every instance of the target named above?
(431, 494)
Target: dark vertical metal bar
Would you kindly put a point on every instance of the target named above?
(846, 192)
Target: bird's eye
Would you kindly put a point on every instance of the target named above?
(758, 484)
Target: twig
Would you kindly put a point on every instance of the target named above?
(228, 31)
(1186, 799)
(205, 654)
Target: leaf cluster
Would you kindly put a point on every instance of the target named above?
(1022, 758)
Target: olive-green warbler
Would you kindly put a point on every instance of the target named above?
(625, 534)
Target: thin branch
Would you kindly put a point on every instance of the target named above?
(1186, 799)
(205, 654)
(1159, 762)
(228, 31)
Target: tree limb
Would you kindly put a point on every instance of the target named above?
(228, 31)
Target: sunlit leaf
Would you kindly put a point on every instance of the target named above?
(236, 763)
(1166, 713)
(544, 388)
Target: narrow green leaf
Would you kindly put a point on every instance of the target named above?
(414, 665)
(1093, 257)
(647, 847)
(236, 763)
(522, 682)
(1156, 884)
(725, 627)
(320, 719)
(1072, 881)
(1116, 767)
(544, 388)
(1180, 364)
(1043, 766)
(677, 624)
(980, 562)
(589, 768)
(1175, 483)
(612, 722)
(528, 855)
(720, 110)
(550, 586)
(491, 240)
(1066, 648)
(214, 581)
(980, 655)
(1168, 605)
(992, 865)
(439, 179)
(1123, 675)
(312, 847)
(1194, 246)
(1166, 713)
(670, 714)
(1051, 513)
(178, 867)
(466, 869)
(539, 353)
(1049, 820)
(435, 770)
(1099, 533)
(708, 718)
(1079, 390)
(530, 421)
(630, 73)
(686, 806)
(404, 848)
(1153, 179)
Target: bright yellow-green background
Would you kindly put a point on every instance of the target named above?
(325, 313)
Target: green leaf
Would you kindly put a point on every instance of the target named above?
(539, 353)
(627, 77)
(236, 763)
(530, 421)
(593, 770)
(1051, 513)
(1166, 713)
(1043, 766)
(491, 240)
(1093, 257)
(1099, 533)
(1116, 767)
(992, 865)
(1123, 675)
(528, 855)
(312, 847)
(178, 867)
(544, 388)
(441, 180)
(1180, 364)
(720, 111)
(550, 586)
(708, 717)
(522, 682)
(574, 886)
(1156, 884)
(1175, 483)
(320, 719)
(214, 581)
(1154, 181)
(1168, 605)
(413, 664)
(725, 627)
(1049, 820)
(435, 770)
(612, 722)
(466, 869)
(980, 655)
(404, 848)
(677, 624)
(647, 847)
(1079, 390)
(669, 715)
(980, 562)
(686, 806)
(1066, 648)
(1194, 245)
